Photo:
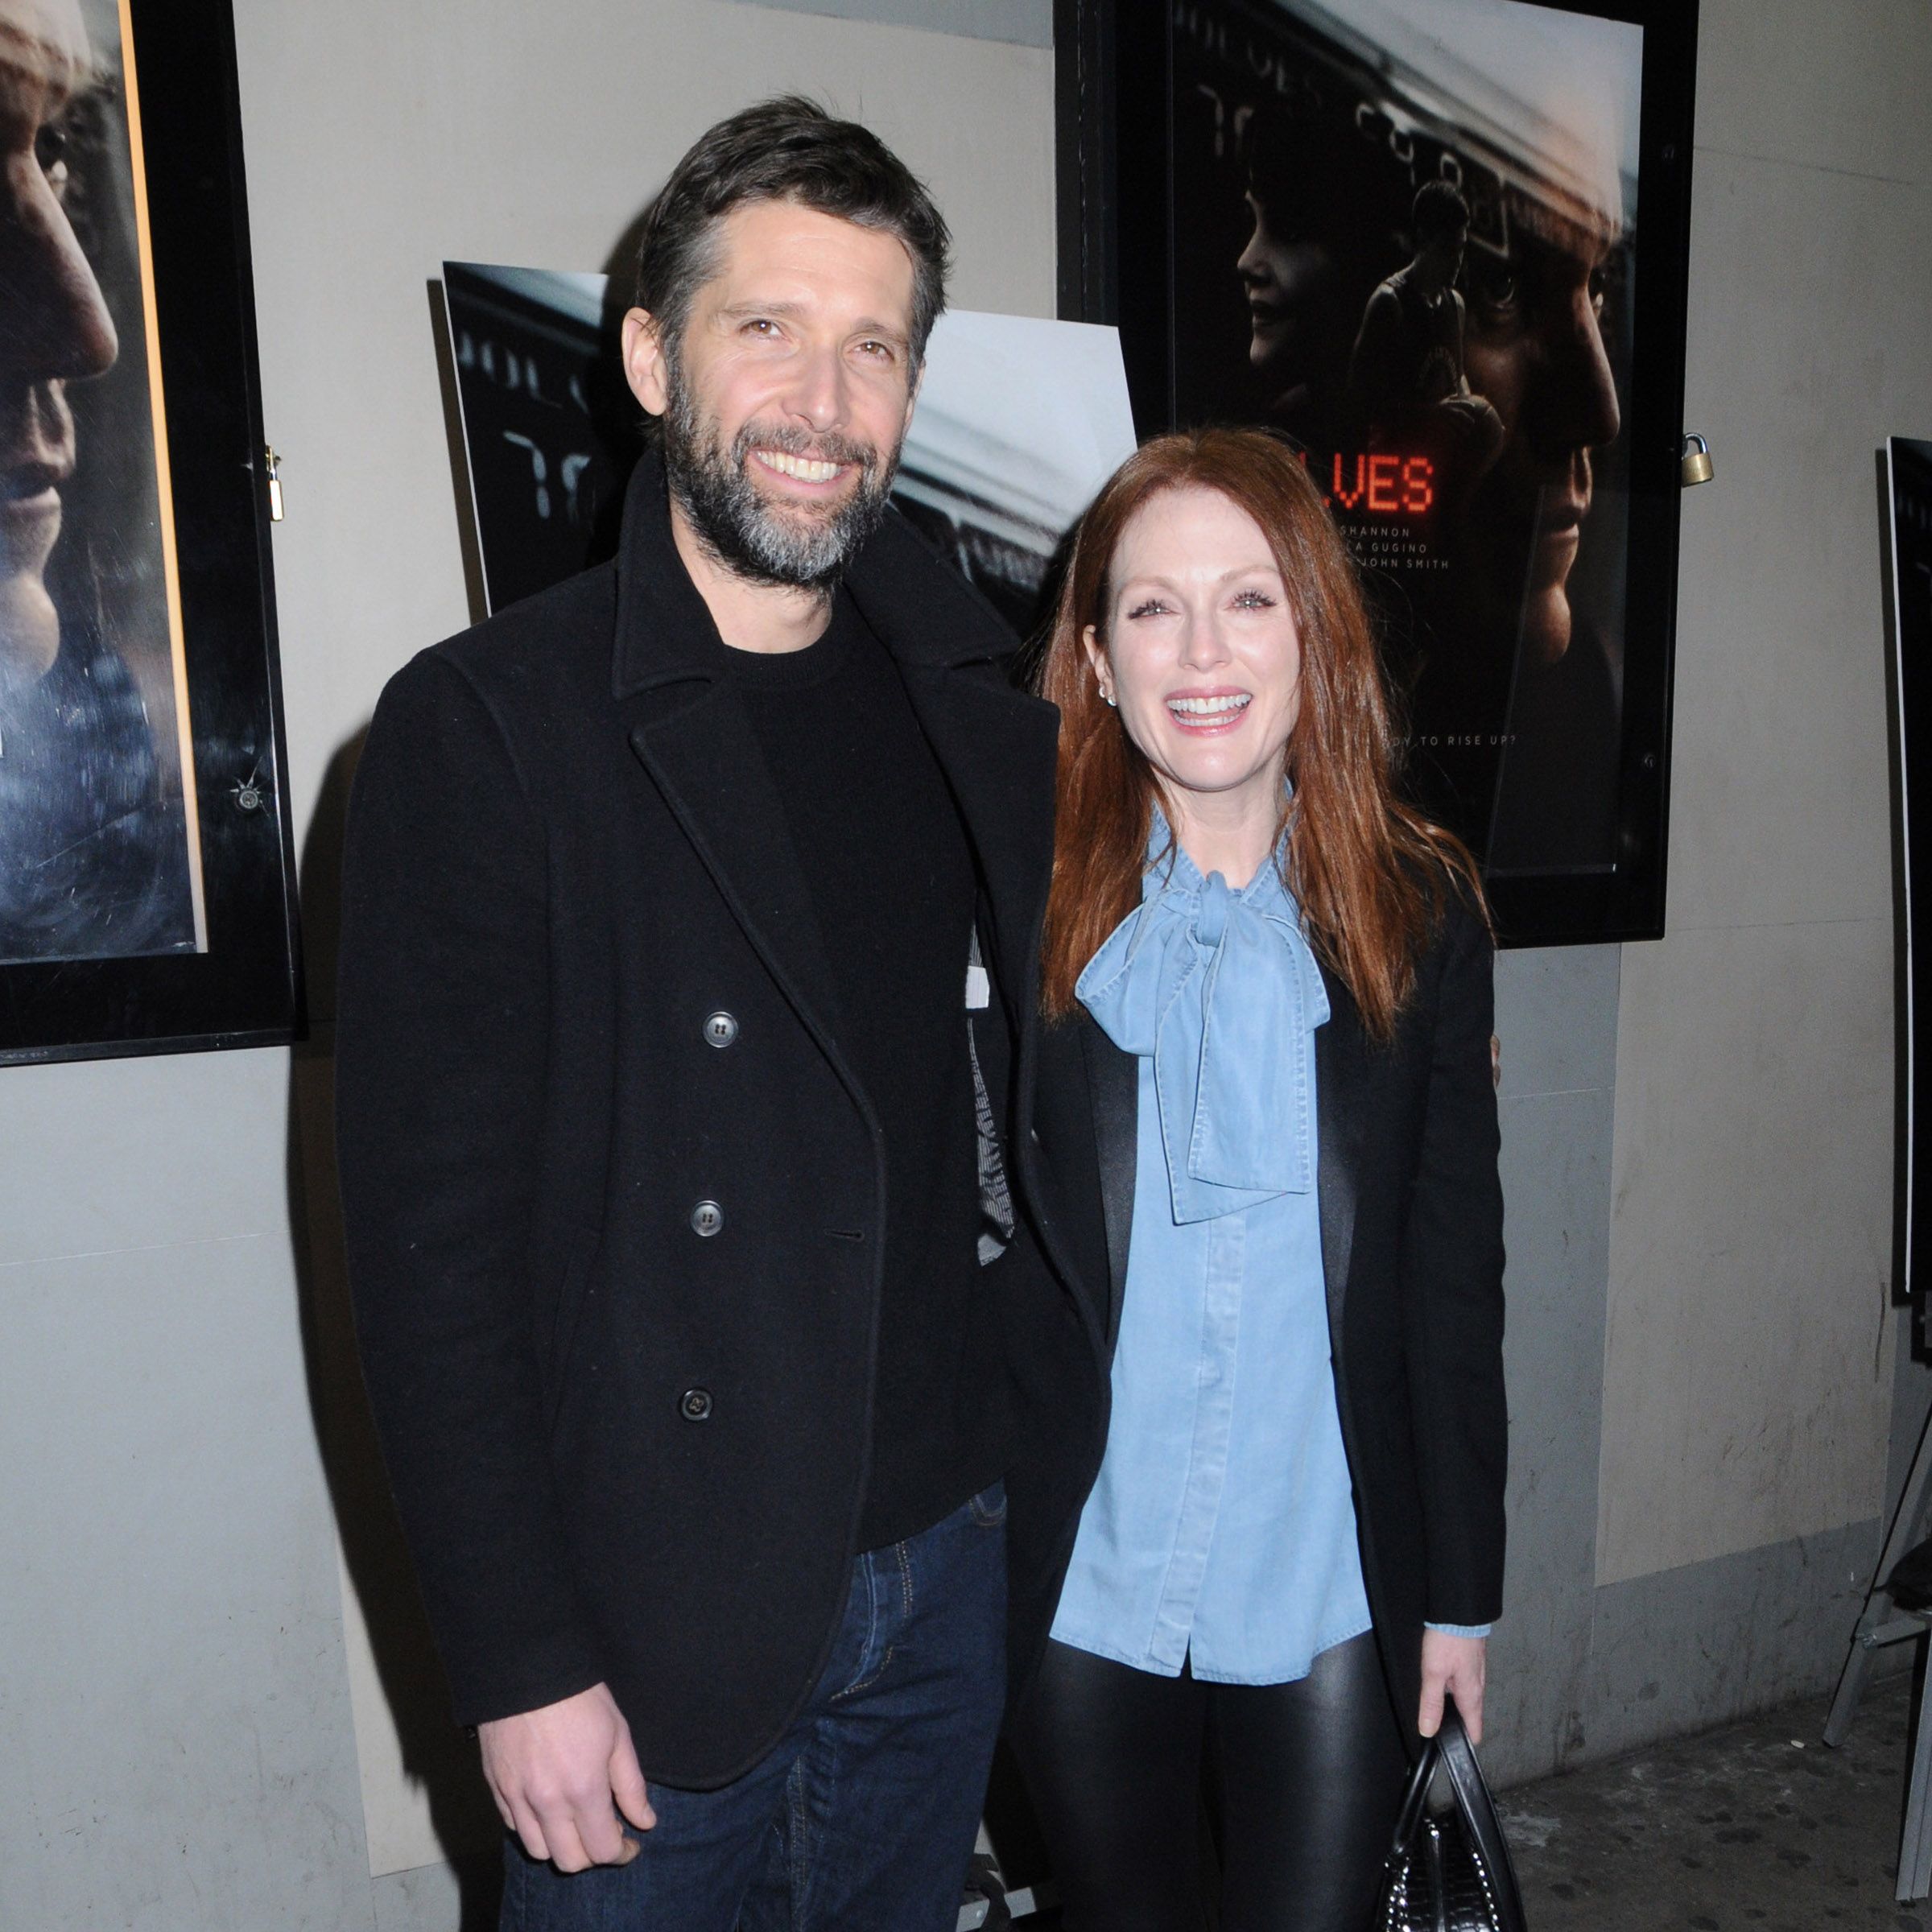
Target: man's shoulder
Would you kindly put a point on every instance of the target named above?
(923, 608)
(1384, 314)
(519, 676)
(553, 636)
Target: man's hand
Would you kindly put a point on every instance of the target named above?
(556, 1775)
(1458, 1665)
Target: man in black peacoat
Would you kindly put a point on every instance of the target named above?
(616, 1194)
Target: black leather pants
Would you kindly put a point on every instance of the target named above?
(1302, 1782)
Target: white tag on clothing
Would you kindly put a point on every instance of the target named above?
(979, 989)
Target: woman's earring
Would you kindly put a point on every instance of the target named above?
(1108, 695)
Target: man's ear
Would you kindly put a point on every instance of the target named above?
(644, 361)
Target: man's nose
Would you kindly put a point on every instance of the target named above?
(56, 320)
(819, 392)
(1578, 407)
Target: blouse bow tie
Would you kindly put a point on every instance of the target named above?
(1220, 989)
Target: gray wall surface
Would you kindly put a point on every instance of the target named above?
(1556, 1018)
(173, 1693)
(1749, 1388)
(193, 1741)
(1709, 1418)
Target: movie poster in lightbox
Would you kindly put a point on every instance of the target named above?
(1469, 416)
(1468, 434)
(99, 846)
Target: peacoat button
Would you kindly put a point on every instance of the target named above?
(694, 1405)
(720, 1030)
(706, 1219)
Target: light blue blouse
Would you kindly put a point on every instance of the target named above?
(1221, 1529)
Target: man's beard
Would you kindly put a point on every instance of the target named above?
(750, 536)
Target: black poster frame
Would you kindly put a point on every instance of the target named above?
(1118, 218)
(244, 989)
(1905, 543)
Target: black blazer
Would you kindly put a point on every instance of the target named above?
(1412, 1248)
(624, 1448)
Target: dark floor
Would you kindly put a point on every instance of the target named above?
(1757, 1826)
(1754, 1828)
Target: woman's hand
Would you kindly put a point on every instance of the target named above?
(1458, 1665)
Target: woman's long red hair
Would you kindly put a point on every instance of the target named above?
(1369, 873)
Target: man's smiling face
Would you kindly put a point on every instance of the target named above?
(786, 398)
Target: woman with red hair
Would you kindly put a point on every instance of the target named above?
(1272, 982)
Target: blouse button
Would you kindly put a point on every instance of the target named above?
(706, 1219)
(720, 1030)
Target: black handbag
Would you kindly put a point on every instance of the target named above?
(1449, 1869)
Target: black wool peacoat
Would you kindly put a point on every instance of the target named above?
(614, 1196)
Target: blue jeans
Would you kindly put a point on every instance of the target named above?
(863, 1815)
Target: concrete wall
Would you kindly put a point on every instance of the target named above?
(1700, 1375)
(1748, 1374)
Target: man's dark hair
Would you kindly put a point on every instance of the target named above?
(786, 150)
(1439, 210)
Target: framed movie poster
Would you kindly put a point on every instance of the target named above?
(1440, 246)
(146, 898)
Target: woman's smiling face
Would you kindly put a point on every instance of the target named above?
(1202, 653)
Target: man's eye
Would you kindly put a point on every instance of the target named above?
(50, 150)
(1496, 288)
(761, 325)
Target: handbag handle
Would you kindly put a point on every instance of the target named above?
(1451, 1749)
(1413, 1800)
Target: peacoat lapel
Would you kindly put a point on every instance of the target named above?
(691, 731)
(693, 734)
(996, 747)
(1339, 1086)
(1114, 1089)
(995, 744)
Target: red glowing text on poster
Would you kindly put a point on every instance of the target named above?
(1383, 485)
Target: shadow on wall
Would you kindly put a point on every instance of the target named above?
(436, 1756)
(438, 1760)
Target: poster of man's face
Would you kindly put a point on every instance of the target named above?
(1404, 236)
(97, 845)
